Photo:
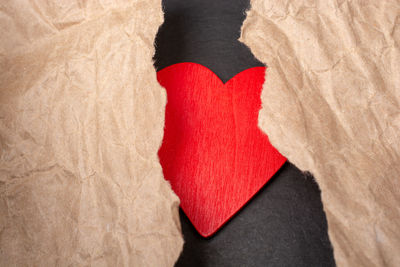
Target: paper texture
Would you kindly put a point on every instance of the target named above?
(331, 105)
(81, 121)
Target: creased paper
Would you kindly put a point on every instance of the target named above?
(81, 121)
(331, 105)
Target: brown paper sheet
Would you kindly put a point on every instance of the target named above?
(331, 104)
(81, 121)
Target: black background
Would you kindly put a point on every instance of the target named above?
(284, 224)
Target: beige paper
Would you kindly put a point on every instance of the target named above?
(81, 121)
(331, 104)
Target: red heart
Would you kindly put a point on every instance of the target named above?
(213, 153)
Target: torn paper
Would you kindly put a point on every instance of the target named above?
(331, 104)
(81, 121)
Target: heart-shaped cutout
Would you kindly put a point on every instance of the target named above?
(213, 153)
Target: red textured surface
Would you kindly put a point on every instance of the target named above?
(213, 153)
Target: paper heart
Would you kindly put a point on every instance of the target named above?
(213, 153)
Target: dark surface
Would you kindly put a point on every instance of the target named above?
(284, 224)
(204, 32)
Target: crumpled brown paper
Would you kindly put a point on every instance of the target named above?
(331, 104)
(81, 121)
